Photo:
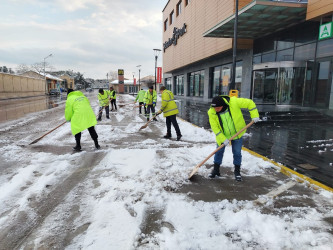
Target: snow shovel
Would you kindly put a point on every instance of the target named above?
(38, 139)
(222, 145)
(144, 126)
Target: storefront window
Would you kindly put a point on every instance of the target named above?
(238, 78)
(196, 83)
(270, 57)
(257, 59)
(179, 85)
(168, 83)
(305, 52)
(325, 48)
(285, 55)
(216, 86)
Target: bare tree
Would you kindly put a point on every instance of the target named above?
(113, 75)
(21, 68)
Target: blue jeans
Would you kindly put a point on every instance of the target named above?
(236, 151)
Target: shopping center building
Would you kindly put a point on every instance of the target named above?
(284, 50)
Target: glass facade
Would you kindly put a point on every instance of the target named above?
(196, 83)
(307, 85)
(179, 85)
(221, 79)
(168, 83)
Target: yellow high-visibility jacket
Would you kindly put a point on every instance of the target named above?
(169, 106)
(150, 98)
(140, 96)
(103, 99)
(79, 112)
(234, 105)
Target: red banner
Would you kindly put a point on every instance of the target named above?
(134, 82)
(159, 75)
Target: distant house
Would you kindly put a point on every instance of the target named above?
(53, 82)
(68, 81)
(129, 86)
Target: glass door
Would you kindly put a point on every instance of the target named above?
(264, 87)
(323, 87)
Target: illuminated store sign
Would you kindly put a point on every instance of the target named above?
(176, 34)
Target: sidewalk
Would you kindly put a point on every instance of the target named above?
(134, 193)
(299, 138)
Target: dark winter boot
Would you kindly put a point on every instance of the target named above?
(178, 137)
(147, 119)
(77, 148)
(96, 144)
(215, 172)
(78, 142)
(155, 119)
(167, 136)
(238, 176)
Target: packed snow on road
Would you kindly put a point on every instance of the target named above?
(130, 193)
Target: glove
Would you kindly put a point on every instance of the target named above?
(226, 142)
(256, 119)
(154, 104)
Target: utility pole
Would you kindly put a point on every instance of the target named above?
(139, 75)
(234, 51)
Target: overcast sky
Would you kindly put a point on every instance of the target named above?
(89, 36)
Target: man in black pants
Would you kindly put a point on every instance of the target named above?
(170, 110)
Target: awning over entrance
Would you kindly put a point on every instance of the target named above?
(260, 18)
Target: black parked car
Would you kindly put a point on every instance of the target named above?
(54, 92)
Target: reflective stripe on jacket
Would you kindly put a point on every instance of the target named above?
(150, 98)
(169, 106)
(79, 112)
(234, 106)
(140, 96)
(103, 99)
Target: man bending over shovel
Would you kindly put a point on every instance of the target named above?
(226, 119)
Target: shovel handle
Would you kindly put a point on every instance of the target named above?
(38, 139)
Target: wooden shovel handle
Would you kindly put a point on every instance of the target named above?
(38, 139)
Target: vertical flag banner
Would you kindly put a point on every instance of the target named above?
(134, 82)
(159, 75)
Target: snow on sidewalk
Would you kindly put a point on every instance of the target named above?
(131, 198)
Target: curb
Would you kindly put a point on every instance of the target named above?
(283, 169)
(291, 173)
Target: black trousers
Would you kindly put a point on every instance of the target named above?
(150, 108)
(92, 133)
(113, 102)
(141, 104)
(106, 111)
(172, 119)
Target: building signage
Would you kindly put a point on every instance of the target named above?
(176, 34)
(120, 76)
(325, 31)
(159, 75)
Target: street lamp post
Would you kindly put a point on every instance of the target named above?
(234, 51)
(139, 75)
(46, 87)
(156, 53)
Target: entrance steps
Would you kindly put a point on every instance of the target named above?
(292, 116)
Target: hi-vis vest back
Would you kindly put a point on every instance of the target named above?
(169, 106)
